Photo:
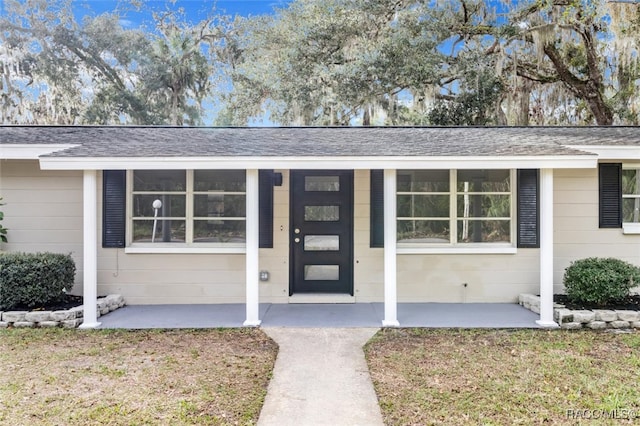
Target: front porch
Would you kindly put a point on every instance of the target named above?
(427, 315)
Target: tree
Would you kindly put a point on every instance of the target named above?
(345, 62)
(56, 70)
(331, 62)
(566, 61)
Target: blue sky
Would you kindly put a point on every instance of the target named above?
(196, 10)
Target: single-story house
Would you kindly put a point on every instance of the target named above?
(331, 215)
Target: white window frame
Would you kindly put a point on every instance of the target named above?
(179, 247)
(631, 227)
(454, 247)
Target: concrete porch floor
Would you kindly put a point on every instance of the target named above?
(428, 315)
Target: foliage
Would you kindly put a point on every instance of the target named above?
(3, 230)
(600, 280)
(461, 62)
(34, 279)
(325, 62)
(60, 71)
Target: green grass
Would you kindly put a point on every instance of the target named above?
(503, 376)
(176, 377)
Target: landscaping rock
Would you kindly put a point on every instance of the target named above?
(64, 315)
(563, 316)
(23, 324)
(38, 316)
(635, 324)
(78, 310)
(630, 316)
(74, 323)
(605, 315)
(583, 316)
(571, 325)
(48, 324)
(13, 316)
(114, 301)
(4, 324)
(597, 325)
(619, 324)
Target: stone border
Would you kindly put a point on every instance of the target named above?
(596, 319)
(70, 318)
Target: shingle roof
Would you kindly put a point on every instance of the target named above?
(126, 141)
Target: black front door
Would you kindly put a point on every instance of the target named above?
(321, 231)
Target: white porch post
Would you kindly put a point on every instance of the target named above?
(546, 249)
(252, 256)
(390, 265)
(90, 249)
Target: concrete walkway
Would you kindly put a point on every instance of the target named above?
(320, 378)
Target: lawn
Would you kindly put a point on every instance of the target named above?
(505, 377)
(176, 377)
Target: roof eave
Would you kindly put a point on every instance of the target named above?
(318, 163)
(611, 152)
(30, 151)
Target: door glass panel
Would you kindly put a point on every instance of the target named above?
(321, 213)
(321, 272)
(322, 242)
(322, 183)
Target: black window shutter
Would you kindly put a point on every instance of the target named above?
(610, 194)
(528, 207)
(114, 195)
(265, 189)
(377, 208)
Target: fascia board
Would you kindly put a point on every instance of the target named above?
(30, 151)
(319, 163)
(611, 152)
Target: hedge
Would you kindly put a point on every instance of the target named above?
(32, 280)
(600, 280)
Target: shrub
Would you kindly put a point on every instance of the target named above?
(34, 279)
(600, 280)
(3, 230)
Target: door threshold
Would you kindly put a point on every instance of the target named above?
(321, 298)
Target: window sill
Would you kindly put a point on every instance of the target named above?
(185, 250)
(631, 228)
(421, 249)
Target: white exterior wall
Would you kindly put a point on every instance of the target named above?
(577, 235)
(196, 278)
(42, 211)
(439, 277)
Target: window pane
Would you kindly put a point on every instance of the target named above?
(167, 231)
(219, 180)
(484, 231)
(322, 242)
(321, 213)
(219, 231)
(484, 181)
(322, 183)
(631, 181)
(631, 210)
(159, 180)
(219, 205)
(172, 205)
(423, 231)
(321, 272)
(484, 206)
(423, 205)
(423, 181)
